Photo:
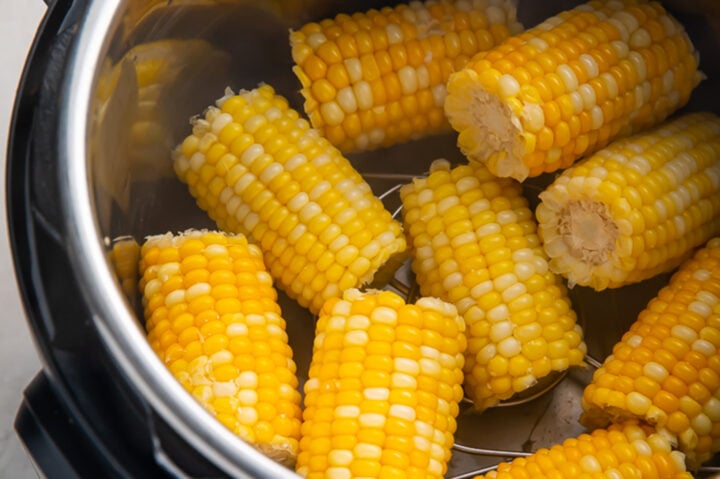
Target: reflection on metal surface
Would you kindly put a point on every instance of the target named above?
(165, 61)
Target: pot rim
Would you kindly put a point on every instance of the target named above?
(113, 317)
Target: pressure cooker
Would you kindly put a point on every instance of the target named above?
(89, 165)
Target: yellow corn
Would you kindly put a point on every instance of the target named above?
(636, 208)
(571, 85)
(666, 368)
(260, 170)
(124, 257)
(474, 244)
(378, 78)
(384, 388)
(630, 450)
(212, 317)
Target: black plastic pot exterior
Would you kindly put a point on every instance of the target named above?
(80, 417)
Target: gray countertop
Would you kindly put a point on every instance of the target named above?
(18, 357)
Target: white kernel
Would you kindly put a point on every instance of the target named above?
(247, 397)
(220, 121)
(590, 464)
(394, 33)
(509, 347)
(406, 366)
(402, 411)
(430, 367)
(640, 38)
(332, 113)
(500, 331)
(577, 102)
(684, 333)
(315, 39)
(247, 379)
(539, 43)
(508, 86)
(175, 297)
(504, 281)
(384, 315)
(495, 15)
(365, 450)
(568, 77)
(224, 388)
(642, 447)
(488, 229)
(700, 308)
(587, 93)
(338, 472)
(408, 80)
(481, 288)
(701, 424)
(596, 115)
(533, 117)
(513, 292)
(486, 353)
(197, 160)
(197, 290)
(400, 380)
(498, 313)
(363, 95)
(348, 410)
(639, 65)
(439, 93)
(655, 371)
(347, 100)
(610, 84)
(247, 415)
(590, 65)
(704, 346)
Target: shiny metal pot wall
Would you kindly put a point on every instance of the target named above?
(138, 70)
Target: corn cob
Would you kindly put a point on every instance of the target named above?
(571, 85)
(384, 388)
(622, 451)
(378, 78)
(636, 208)
(260, 170)
(474, 244)
(212, 317)
(124, 256)
(666, 368)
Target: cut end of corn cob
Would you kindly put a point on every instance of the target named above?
(636, 208)
(384, 388)
(258, 169)
(569, 86)
(378, 78)
(666, 368)
(474, 244)
(621, 451)
(212, 317)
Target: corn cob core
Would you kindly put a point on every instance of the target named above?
(378, 78)
(636, 208)
(474, 244)
(666, 368)
(384, 388)
(212, 317)
(260, 170)
(622, 451)
(571, 85)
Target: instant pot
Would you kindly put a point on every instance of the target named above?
(107, 92)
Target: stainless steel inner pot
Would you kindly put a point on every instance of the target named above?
(116, 134)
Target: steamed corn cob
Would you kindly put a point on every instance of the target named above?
(571, 85)
(474, 244)
(666, 368)
(384, 388)
(625, 451)
(378, 78)
(636, 208)
(212, 317)
(124, 256)
(259, 169)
